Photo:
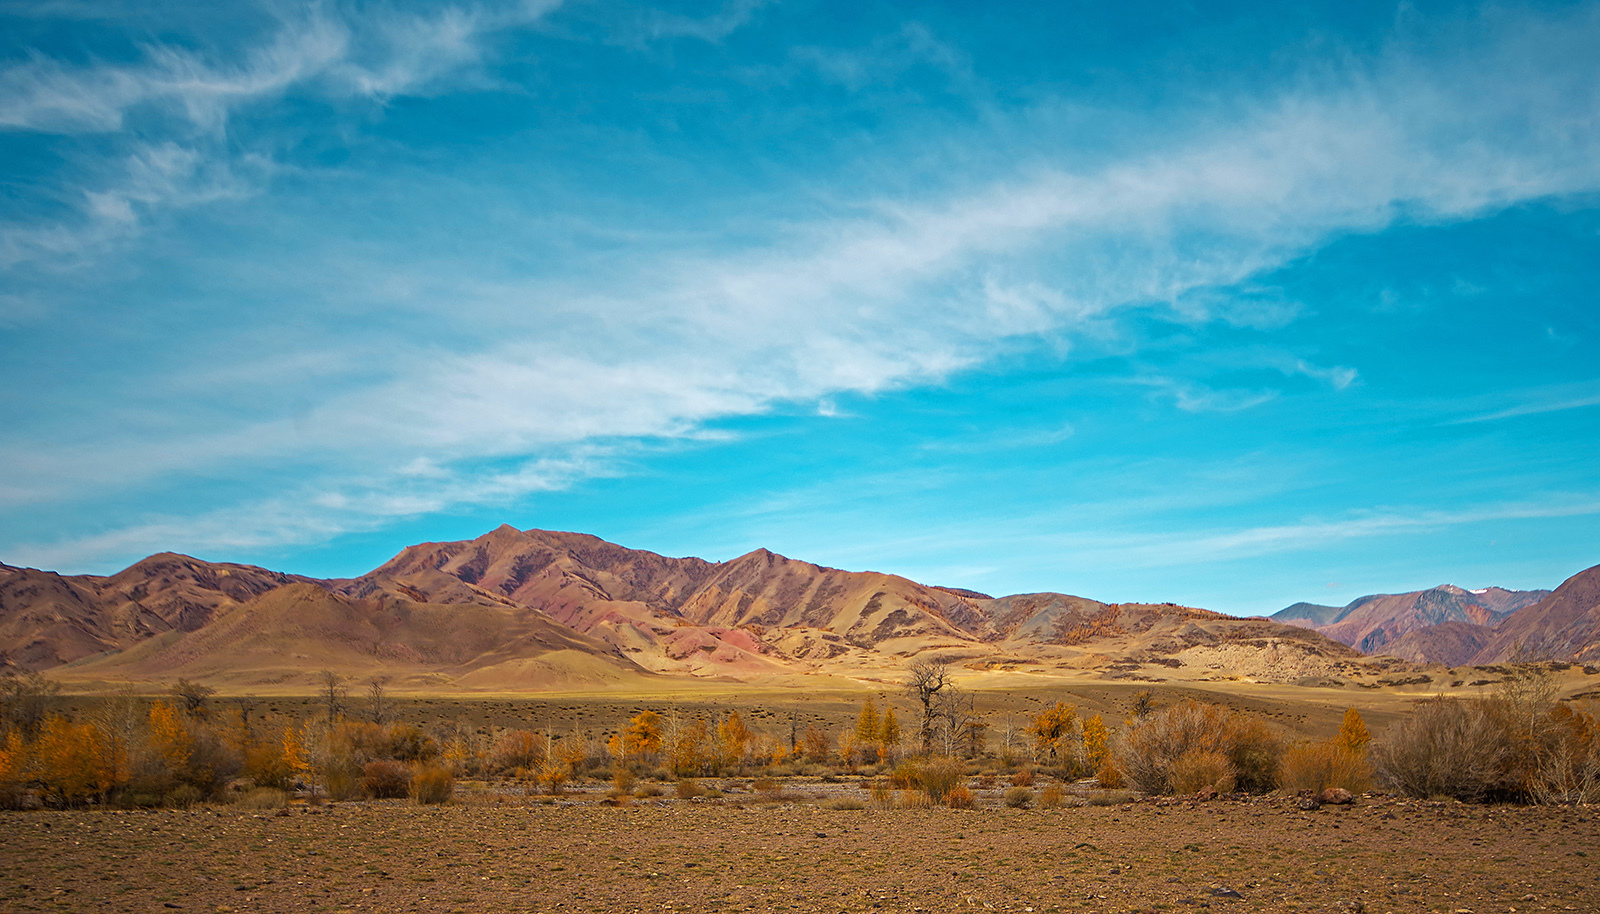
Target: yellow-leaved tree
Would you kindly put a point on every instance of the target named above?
(889, 732)
(688, 748)
(72, 761)
(868, 727)
(170, 739)
(1353, 734)
(1053, 730)
(1096, 743)
(732, 739)
(642, 736)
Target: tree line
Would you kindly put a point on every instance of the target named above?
(1518, 744)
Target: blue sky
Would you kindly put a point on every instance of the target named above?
(1230, 305)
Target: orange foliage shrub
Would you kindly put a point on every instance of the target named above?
(1110, 776)
(432, 784)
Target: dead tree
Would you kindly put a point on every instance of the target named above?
(928, 677)
(376, 692)
(333, 693)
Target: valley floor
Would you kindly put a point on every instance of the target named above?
(514, 855)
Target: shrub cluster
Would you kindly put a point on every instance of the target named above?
(1192, 745)
(1493, 749)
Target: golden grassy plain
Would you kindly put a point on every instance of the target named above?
(1001, 699)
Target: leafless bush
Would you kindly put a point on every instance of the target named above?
(1316, 765)
(515, 750)
(1447, 747)
(386, 779)
(1200, 768)
(1019, 798)
(1146, 751)
(938, 776)
(1518, 745)
(1570, 759)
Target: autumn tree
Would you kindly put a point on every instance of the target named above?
(74, 761)
(14, 764)
(890, 730)
(296, 758)
(814, 745)
(1353, 734)
(1053, 731)
(868, 727)
(732, 739)
(170, 738)
(1096, 743)
(642, 736)
(687, 751)
(562, 759)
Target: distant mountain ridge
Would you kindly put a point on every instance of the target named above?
(1370, 623)
(535, 608)
(1457, 627)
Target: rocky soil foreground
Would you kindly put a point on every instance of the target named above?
(1226, 855)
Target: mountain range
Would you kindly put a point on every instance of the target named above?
(1458, 627)
(539, 609)
(535, 609)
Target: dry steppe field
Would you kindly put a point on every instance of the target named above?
(796, 844)
(745, 853)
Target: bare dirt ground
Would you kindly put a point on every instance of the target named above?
(660, 855)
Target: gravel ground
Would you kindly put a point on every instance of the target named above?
(659, 855)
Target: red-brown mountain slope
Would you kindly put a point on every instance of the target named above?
(1449, 643)
(290, 633)
(492, 611)
(1563, 626)
(1370, 623)
(48, 619)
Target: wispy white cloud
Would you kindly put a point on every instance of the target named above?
(885, 60)
(732, 16)
(1538, 402)
(1194, 547)
(316, 513)
(186, 98)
